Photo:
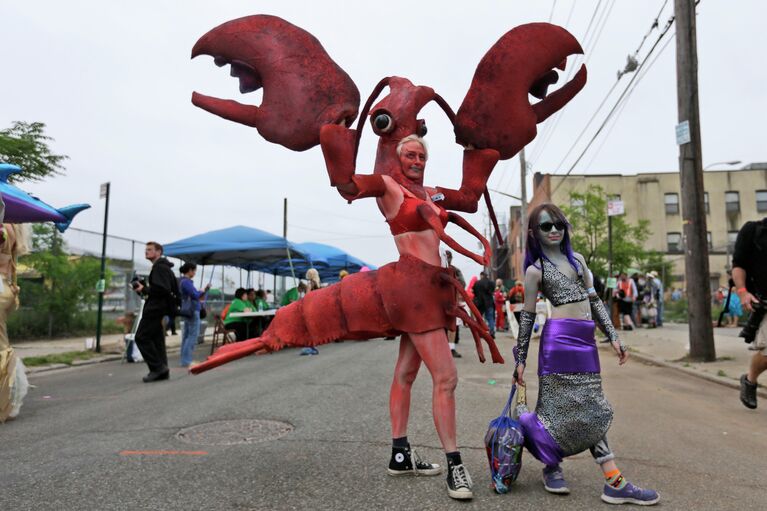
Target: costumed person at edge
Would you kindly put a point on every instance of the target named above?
(572, 414)
(309, 100)
(13, 379)
(499, 299)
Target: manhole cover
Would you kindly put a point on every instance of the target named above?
(231, 432)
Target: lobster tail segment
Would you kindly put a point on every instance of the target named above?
(230, 352)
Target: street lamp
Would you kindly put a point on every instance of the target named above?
(734, 162)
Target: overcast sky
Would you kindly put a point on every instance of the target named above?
(112, 81)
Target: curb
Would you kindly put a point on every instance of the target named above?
(87, 362)
(727, 382)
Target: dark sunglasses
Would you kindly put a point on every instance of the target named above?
(546, 226)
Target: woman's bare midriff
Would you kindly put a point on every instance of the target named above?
(577, 310)
(423, 245)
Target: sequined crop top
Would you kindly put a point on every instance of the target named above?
(408, 219)
(558, 287)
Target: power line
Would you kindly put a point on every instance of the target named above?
(305, 228)
(570, 16)
(625, 101)
(598, 34)
(620, 98)
(601, 21)
(551, 126)
(553, 6)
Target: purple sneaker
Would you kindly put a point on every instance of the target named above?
(630, 494)
(554, 480)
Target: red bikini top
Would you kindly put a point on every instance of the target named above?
(408, 219)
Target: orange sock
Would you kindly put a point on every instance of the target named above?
(615, 479)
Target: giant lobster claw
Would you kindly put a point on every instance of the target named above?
(303, 88)
(496, 112)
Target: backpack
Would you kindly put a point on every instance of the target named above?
(174, 299)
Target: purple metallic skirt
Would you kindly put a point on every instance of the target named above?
(572, 413)
(568, 346)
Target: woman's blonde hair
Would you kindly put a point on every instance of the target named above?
(313, 276)
(413, 138)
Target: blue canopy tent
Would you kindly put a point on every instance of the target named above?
(326, 259)
(244, 247)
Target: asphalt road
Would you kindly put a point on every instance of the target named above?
(79, 440)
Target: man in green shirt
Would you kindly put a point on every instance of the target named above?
(293, 294)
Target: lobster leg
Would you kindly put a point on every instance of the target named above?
(430, 217)
(474, 327)
(479, 329)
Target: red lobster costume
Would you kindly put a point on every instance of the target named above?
(308, 100)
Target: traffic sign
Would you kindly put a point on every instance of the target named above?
(615, 208)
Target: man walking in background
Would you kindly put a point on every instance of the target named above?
(161, 294)
(483, 299)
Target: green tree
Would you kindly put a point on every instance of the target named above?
(69, 282)
(588, 215)
(26, 145)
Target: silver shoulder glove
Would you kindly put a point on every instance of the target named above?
(602, 318)
(526, 321)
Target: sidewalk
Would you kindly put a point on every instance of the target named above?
(112, 348)
(669, 346)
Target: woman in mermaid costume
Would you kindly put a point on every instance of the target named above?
(572, 414)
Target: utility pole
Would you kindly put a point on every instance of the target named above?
(284, 235)
(523, 193)
(101, 286)
(691, 180)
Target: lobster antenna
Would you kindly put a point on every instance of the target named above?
(366, 109)
(451, 115)
(445, 108)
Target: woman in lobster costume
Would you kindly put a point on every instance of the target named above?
(309, 100)
(572, 414)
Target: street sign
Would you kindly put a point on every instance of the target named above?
(615, 208)
(612, 282)
(104, 191)
(101, 285)
(683, 133)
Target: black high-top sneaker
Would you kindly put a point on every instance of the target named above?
(459, 482)
(406, 462)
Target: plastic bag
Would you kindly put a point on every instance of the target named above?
(13, 384)
(19, 388)
(503, 442)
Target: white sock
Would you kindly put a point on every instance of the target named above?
(452, 345)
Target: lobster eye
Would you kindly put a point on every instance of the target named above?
(383, 123)
(422, 130)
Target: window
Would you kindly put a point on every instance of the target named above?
(761, 200)
(731, 237)
(706, 207)
(674, 242)
(709, 242)
(732, 202)
(672, 203)
(577, 205)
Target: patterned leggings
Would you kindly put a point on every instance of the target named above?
(601, 452)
